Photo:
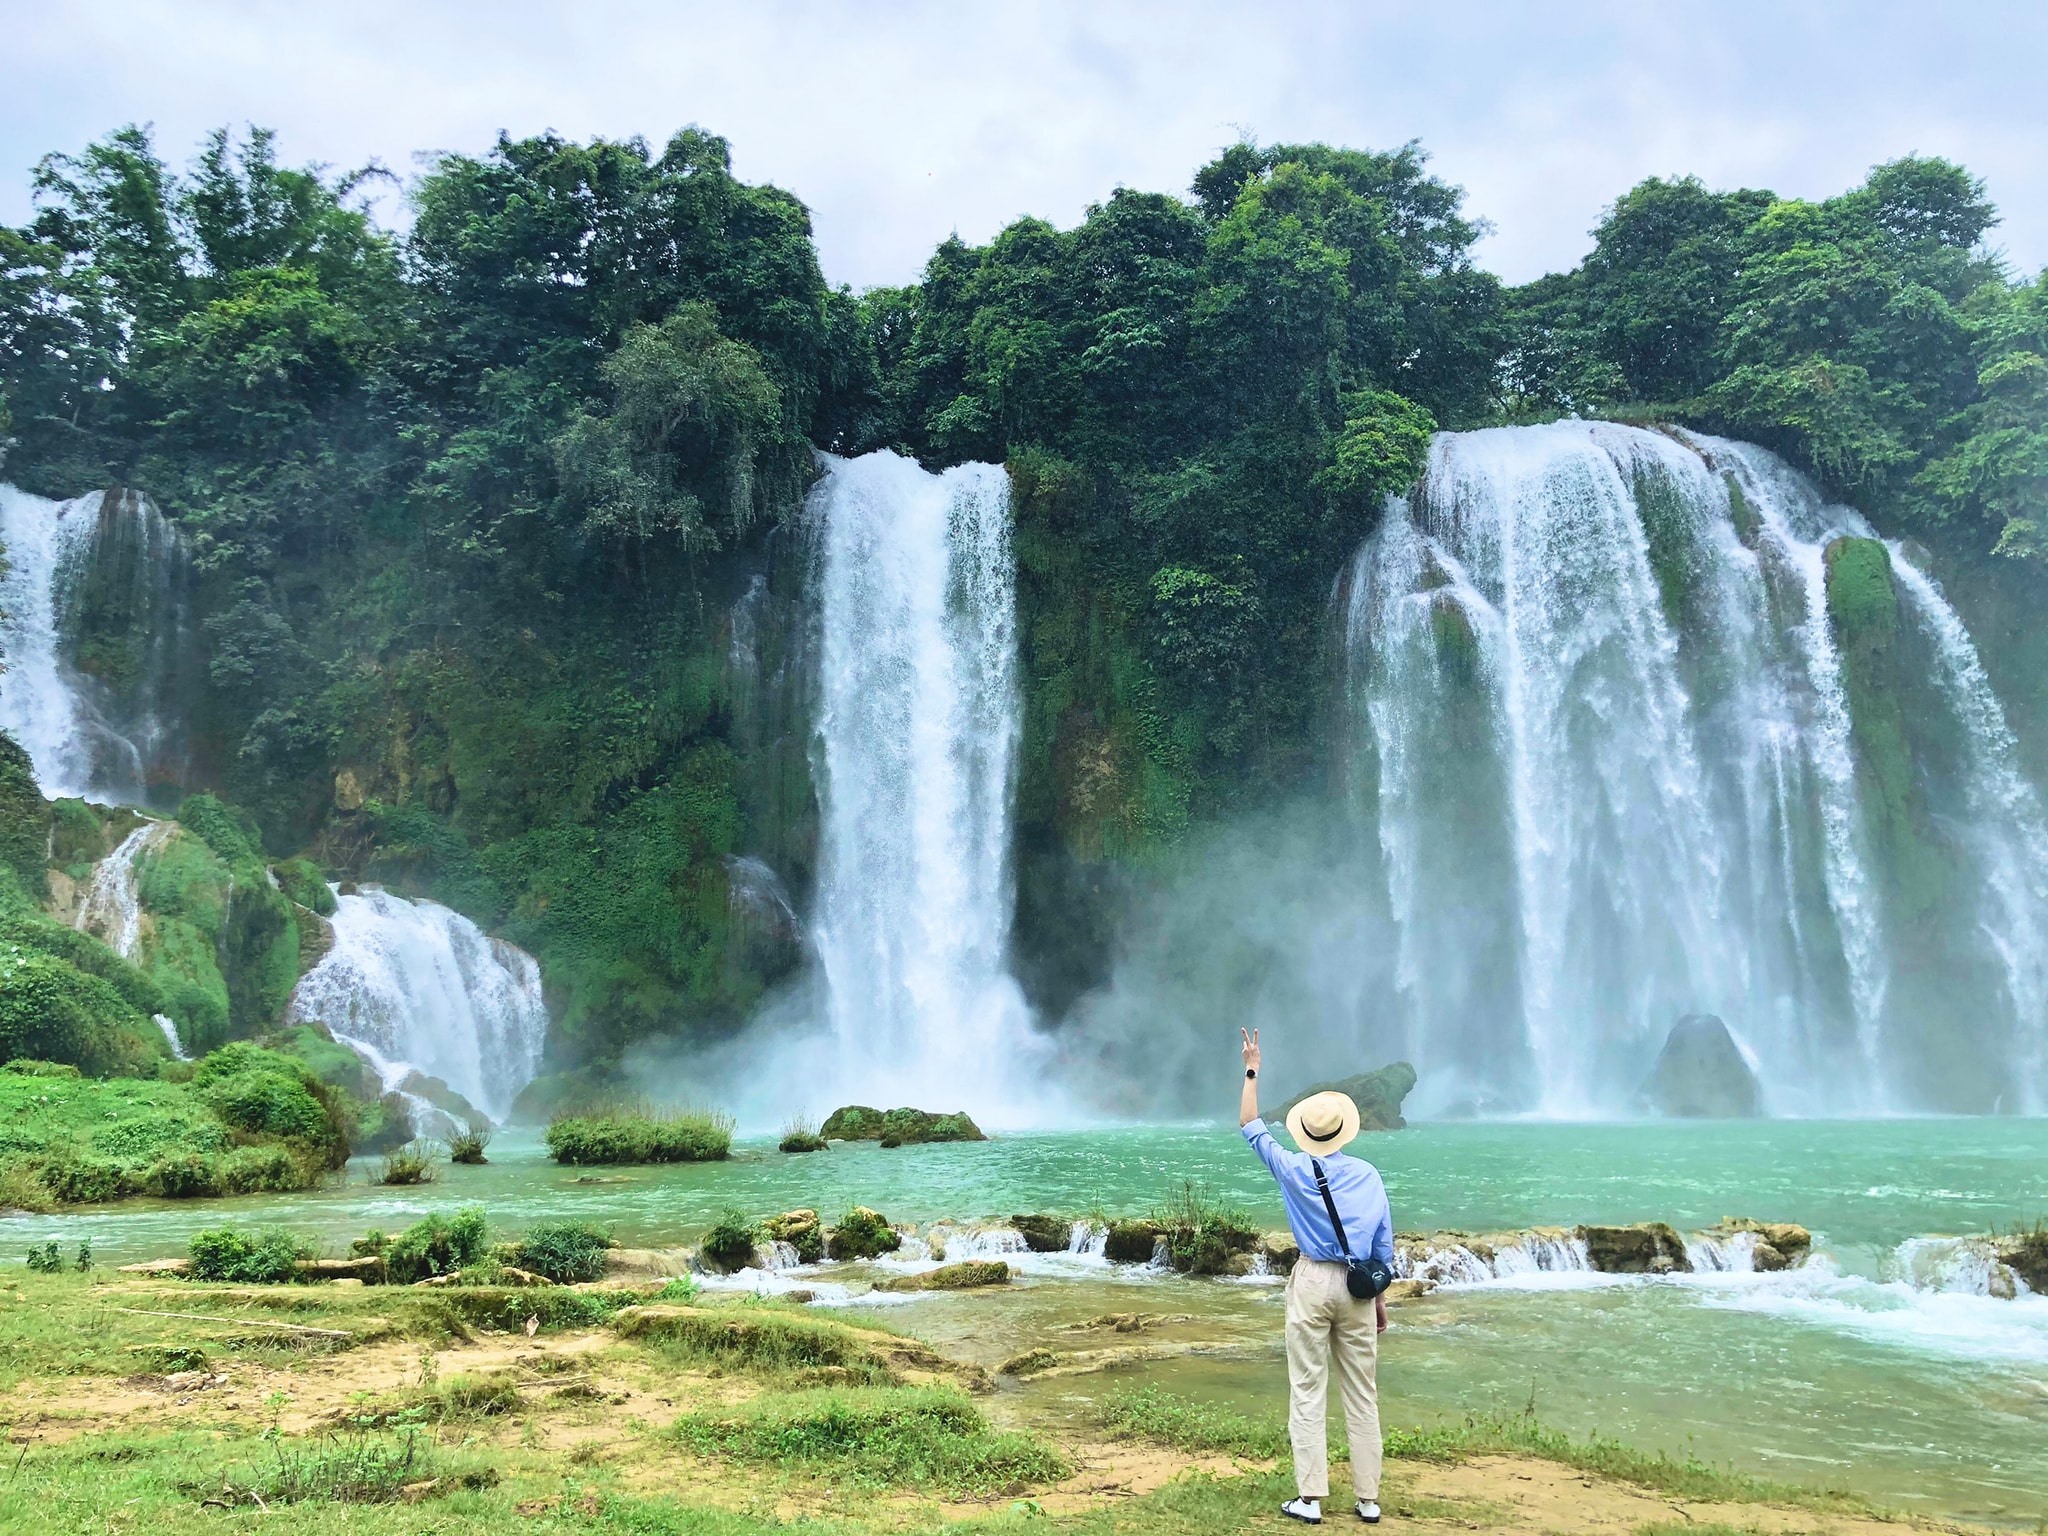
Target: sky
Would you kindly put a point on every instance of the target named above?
(900, 124)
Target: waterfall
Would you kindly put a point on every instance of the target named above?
(112, 906)
(918, 723)
(1601, 734)
(91, 634)
(416, 987)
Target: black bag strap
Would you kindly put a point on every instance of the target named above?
(1330, 1205)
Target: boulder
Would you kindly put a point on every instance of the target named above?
(1779, 1244)
(645, 1263)
(971, 1275)
(1044, 1234)
(1378, 1096)
(1646, 1248)
(862, 1234)
(897, 1127)
(800, 1229)
(1131, 1242)
(2026, 1255)
(158, 1267)
(1280, 1250)
(1701, 1074)
(368, 1268)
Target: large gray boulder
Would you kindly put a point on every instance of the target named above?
(1378, 1096)
(1701, 1074)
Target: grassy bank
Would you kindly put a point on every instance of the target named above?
(176, 1406)
(245, 1120)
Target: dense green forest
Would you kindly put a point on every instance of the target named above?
(469, 504)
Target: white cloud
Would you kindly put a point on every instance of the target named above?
(899, 124)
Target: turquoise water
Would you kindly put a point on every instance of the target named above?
(1841, 1373)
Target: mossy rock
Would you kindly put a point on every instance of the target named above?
(973, 1274)
(800, 1229)
(1646, 1248)
(305, 883)
(2026, 1255)
(1044, 1234)
(900, 1127)
(1132, 1242)
(1378, 1095)
(862, 1234)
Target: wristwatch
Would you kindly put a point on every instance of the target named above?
(1251, 1071)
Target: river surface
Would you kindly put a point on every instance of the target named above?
(1871, 1368)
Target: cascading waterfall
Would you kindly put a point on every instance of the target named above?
(416, 987)
(1603, 735)
(111, 908)
(91, 634)
(918, 724)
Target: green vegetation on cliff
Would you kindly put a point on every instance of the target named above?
(471, 509)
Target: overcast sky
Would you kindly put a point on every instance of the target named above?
(899, 124)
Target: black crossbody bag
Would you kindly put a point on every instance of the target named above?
(1364, 1278)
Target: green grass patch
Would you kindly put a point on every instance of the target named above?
(931, 1439)
(1185, 1424)
(640, 1134)
(247, 1258)
(567, 1252)
(758, 1340)
(1203, 1233)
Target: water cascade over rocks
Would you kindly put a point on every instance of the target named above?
(92, 637)
(415, 987)
(1624, 707)
(918, 723)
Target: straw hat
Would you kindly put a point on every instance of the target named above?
(1323, 1122)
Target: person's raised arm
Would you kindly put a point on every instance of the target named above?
(1248, 1100)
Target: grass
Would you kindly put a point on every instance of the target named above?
(801, 1135)
(762, 1341)
(931, 1439)
(467, 1146)
(247, 1258)
(639, 1132)
(412, 1163)
(1185, 1424)
(563, 1251)
(1203, 1233)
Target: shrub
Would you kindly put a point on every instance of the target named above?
(78, 1178)
(262, 1092)
(24, 818)
(862, 1234)
(800, 1135)
(412, 1163)
(640, 1134)
(247, 1258)
(264, 1170)
(45, 1260)
(182, 1176)
(729, 1244)
(51, 1009)
(467, 1145)
(436, 1245)
(303, 882)
(564, 1251)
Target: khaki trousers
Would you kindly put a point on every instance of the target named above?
(1327, 1325)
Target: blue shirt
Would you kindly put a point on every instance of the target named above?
(1355, 1186)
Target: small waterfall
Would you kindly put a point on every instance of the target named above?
(918, 725)
(1716, 1254)
(1088, 1239)
(1602, 736)
(414, 986)
(112, 907)
(1452, 1259)
(91, 637)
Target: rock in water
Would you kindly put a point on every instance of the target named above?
(897, 1127)
(1378, 1096)
(1701, 1074)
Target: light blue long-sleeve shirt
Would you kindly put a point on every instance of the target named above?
(1355, 1186)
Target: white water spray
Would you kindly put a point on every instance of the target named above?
(918, 726)
(414, 986)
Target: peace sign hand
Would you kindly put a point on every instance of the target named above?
(1251, 1048)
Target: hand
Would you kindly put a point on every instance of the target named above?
(1379, 1312)
(1251, 1049)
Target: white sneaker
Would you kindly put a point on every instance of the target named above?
(1308, 1511)
(1368, 1511)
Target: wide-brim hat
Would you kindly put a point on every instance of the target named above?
(1323, 1122)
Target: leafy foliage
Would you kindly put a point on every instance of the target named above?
(640, 1134)
(247, 1258)
(567, 1252)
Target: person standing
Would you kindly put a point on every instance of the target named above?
(1327, 1327)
